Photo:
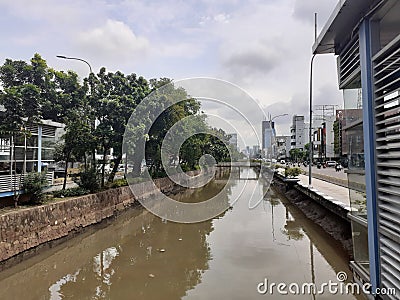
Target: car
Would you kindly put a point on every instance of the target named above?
(330, 163)
(283, 162)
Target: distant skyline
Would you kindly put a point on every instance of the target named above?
(262, 46)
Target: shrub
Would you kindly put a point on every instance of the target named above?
(73, 192)
(89, 180)
(293, 172)
(118, 183)
(34, 185)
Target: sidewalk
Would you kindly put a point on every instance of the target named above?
(337, 194)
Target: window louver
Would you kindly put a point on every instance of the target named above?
(48, 130)
(386, 64)
(349, 63)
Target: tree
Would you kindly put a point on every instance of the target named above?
(114, 98)
(337, 137)
(296, 154)
(22, 96)
(34, 184)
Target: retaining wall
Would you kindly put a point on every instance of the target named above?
(28, 228)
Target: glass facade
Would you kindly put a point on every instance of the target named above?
(29, 151)
(354, 150)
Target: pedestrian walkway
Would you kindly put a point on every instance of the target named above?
(334, 191)
(331, 195)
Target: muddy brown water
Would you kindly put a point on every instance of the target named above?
(223, 258)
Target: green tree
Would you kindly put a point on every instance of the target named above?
(114, 98)
(337, 137)
(23, 93)
(34, 185)
(296, 154)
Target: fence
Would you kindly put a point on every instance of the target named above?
(15, 182)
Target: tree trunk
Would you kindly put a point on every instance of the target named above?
(66, 170)
(138, 156)
(103, 167)
(117, 162)
(85, 161)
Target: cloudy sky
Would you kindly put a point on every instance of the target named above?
(262, 46)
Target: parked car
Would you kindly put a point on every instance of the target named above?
(330, 163)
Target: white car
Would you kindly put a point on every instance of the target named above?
(330, 163)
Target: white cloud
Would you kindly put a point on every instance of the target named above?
(264, 46)
(114, 41)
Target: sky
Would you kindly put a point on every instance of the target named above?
(263, 47)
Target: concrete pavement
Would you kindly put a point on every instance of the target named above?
(328, 188)
(336, 193)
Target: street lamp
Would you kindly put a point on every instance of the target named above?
(282, 115)
(310, 143)
(93, 123)
(75, 58)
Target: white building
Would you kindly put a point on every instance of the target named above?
(283, 146)
(298, 133)
(28, 151)
(233, 140)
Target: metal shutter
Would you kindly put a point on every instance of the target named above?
(386, 64)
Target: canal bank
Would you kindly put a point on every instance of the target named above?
(140, 256)
(330, 215)
(23, 231)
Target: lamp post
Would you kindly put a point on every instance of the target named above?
(91, 85)
(310, 143)
(282, 115)
(75, 58)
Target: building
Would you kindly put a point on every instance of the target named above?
(249, 151)
(365, 36)
(323, 138)
(256, 151)
(233, 140)
(347, 117)
(298, 133)
(283, 146)
(268, 134)
(31, 150)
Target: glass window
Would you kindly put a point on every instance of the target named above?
(32, 141)
(387, 21)
(360, 244)
(30, 154)
(47, 154)
(353, 148)
(48, 142)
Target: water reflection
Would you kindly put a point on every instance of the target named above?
(139, 256)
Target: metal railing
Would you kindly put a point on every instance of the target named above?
(15, 182)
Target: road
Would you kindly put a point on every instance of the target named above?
(327, 171)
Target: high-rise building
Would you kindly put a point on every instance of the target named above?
(233, 140)
(268, 134)
(298, 133)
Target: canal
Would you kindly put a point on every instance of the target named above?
(140, 256)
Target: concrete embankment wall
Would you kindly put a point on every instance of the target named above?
(331, 219)
(28, 228)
